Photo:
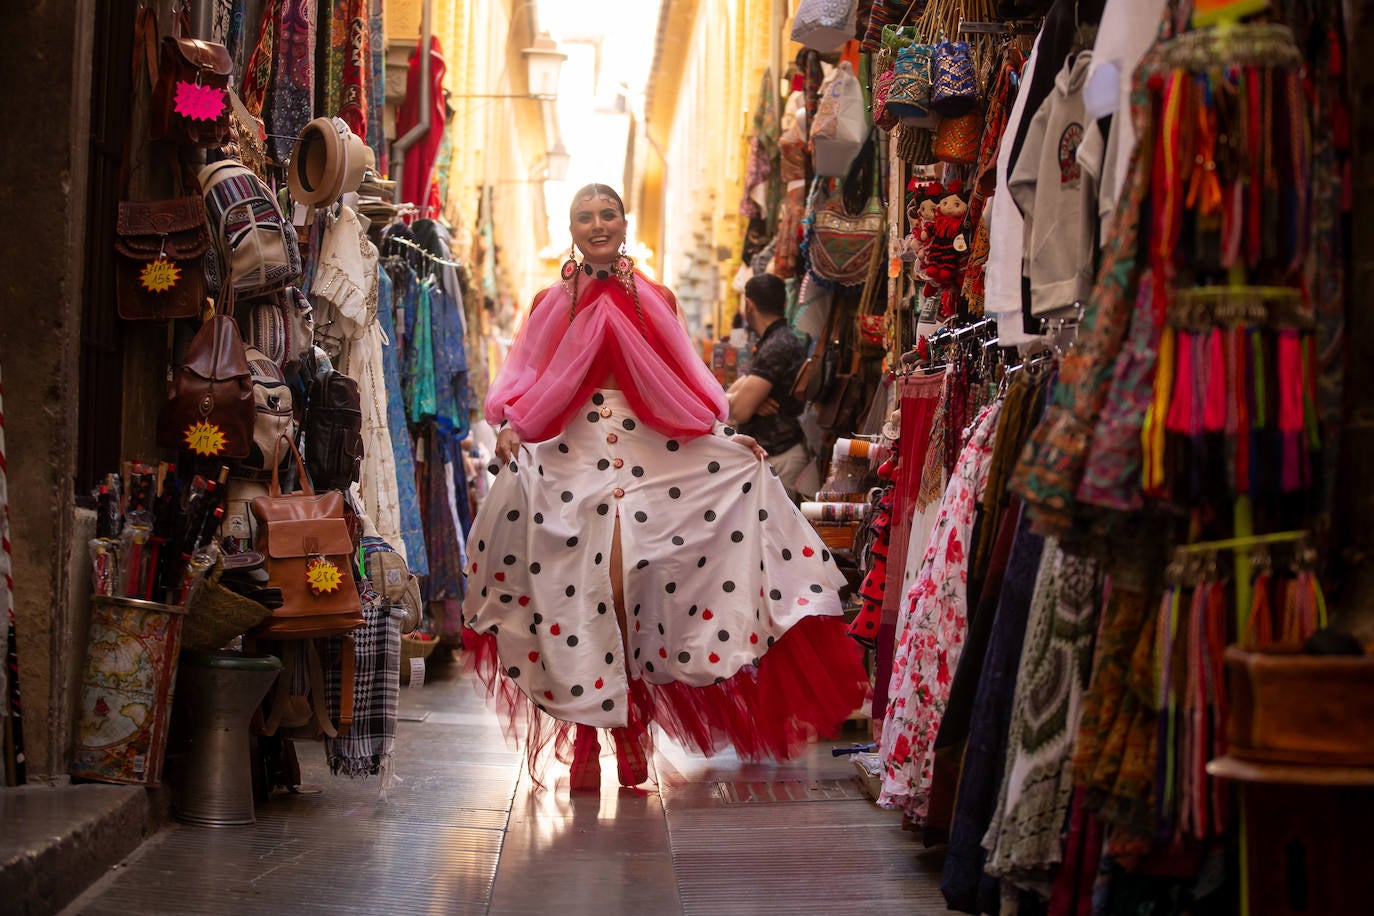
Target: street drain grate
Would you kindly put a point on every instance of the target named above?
(744, 792)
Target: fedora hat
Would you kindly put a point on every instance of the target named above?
(327, 161)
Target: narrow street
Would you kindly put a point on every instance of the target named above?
(463, 831)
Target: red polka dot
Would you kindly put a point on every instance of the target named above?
(555, 630)
(662, 653)
(600, 682)
(753, 637)
(713, 657)
(706, 614)
(499, 577)
(548, 694)
(808, 552)
(524, 600)
(534, 656)
(636, 626)
(474, 569)
(803, 601)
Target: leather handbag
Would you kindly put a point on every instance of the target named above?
(309, 555)
(160, 248)
(334, 430)
(209, 408)
(191, 102)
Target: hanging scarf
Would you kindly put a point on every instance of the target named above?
(279, 85)
(348, 63)
(556, 363)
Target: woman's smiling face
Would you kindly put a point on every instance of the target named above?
(598, 228)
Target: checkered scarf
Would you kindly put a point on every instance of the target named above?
(368, 746)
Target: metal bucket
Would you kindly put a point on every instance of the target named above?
(126, 695)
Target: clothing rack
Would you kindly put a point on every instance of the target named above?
(424, 251)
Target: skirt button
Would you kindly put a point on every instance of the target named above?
(605, 411)
(612, 438)
(618, 463)
(618, 492)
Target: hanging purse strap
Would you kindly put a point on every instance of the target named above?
(275, 488)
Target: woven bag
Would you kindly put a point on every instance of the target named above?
(956, 139)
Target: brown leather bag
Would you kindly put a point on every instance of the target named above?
(192, 82)
(309, 555)
(210, 407)
(160, 248)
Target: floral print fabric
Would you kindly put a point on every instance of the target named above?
(931, 634)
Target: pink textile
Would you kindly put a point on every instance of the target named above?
(554, 364)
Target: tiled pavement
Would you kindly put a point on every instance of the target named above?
(461, 830)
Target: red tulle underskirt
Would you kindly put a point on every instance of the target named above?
(808, 684)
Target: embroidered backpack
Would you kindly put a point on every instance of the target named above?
(254, 240)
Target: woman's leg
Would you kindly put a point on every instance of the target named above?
(631, 742)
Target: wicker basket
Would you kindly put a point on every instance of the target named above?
(216, 615)
(414, 645)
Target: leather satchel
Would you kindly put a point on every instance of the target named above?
(209, 408)
(309, 555)
(160, 248)
(334, 430)
(191, 97)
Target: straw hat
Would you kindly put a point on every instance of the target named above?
(327, 161)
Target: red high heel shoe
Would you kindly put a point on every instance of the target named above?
(631, 752)
(584, 775)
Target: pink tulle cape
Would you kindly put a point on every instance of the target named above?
(554, 365)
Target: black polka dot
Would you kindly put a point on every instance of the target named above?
(513, 467)
(572, 541)
(692, 611)
(539, 518)
(601, 607)
(610, 658)
(775, 594)
(538, 618)
(816, 588)
(637, 609)
(736, 536)
(649, 666)
(563, 448)
(603, 464)
(748, 485)
(570, 590)
(628, 423)
(772, 470)
(598, 399)
(786, 554)
(541, 470)
(710, 515)
(723, 636)
(763, 515)
(771, 640)
(576, 690)
(825, 555)
(674, 492)
(494, 468)
(678, 541)
(493, 630)
(728, 585)
(484, 591)
(636, 655)
(701, 562)
(728, 430)
(534, 629)
(534, 568)
(673, 445)
(509, 559)
(593, 416)
(513, 515)
(572, 641)
(481, 544)
(608, 705)
(660, 630)
(719, 680)
(507, 599)
(597, 560)
(641, 564)
(684, 657)
(670, 587)
(637, 471)
(713, 466)
(641, 516)
(513, 672)
(566, 496)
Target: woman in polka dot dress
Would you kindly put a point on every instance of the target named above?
(636, 561)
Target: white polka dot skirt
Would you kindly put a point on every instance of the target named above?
(718, 563)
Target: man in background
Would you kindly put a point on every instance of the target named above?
(777, 358)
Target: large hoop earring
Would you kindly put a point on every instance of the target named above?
(570, 268)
